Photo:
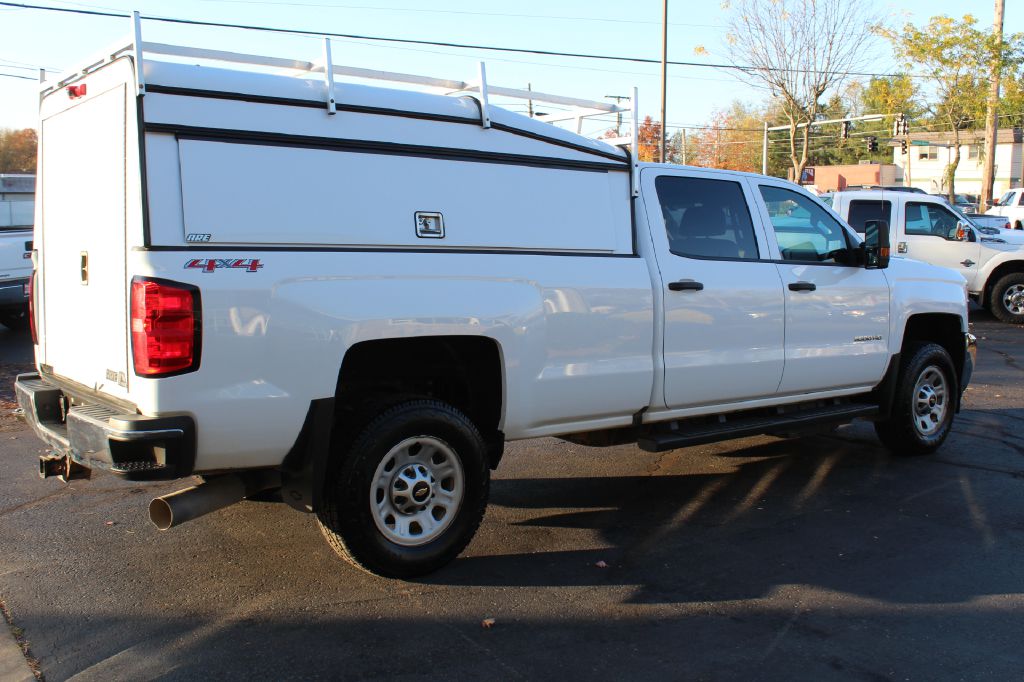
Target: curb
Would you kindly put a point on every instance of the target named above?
(13, 666)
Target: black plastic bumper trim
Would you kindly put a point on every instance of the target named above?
(133, 446)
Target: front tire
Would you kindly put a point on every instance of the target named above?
(1007, 300)
(408, 494)
(923, 404)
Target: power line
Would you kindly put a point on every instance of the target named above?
(15, 75)
(462, 12)
(436, 43)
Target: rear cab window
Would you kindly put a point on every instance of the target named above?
(863, 210)
(706, 218)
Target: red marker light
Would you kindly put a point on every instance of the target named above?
(76, 91)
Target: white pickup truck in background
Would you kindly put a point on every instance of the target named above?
(454, 276)
(1011, 207)
(16, 216)
(926, 228)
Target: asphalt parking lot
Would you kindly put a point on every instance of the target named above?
(812, 558)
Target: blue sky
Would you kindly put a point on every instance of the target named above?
(30, 38)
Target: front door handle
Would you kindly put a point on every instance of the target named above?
(967, 263)
(686, 285)
(802, 286)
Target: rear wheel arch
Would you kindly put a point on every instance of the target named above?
(467, 372)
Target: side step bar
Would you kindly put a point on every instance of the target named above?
(686, 435)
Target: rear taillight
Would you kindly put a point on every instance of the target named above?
(32, 308)
(166, 327)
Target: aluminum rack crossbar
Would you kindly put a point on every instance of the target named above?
(578, 109)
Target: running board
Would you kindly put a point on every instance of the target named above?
(688, 434)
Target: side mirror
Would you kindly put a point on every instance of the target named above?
(876, 244)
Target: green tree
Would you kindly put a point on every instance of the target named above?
(957, 56)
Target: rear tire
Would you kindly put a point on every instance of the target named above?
(923, 404)
(408, 494)
(1007, 299)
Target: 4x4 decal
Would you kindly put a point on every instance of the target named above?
(211, 264)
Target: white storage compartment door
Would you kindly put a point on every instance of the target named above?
(83, 233)
(248, 193)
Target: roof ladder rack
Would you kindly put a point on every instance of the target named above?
(577, 110)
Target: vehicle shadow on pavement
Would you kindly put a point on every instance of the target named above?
(829, 511)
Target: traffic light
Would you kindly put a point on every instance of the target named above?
(900, 125)
(903, 146)
(844, 132)
(872, 144)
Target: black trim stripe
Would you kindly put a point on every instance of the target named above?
(253, 137)
(143, 177)
(379, 111)
(245, 248)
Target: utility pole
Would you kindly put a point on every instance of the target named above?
(764, 151)
(991, 120)
(529, 102)
(618, 114)
(664, 74)
(684, 146)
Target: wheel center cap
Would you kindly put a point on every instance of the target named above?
(421, 491)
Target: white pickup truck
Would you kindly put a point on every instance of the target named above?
(1011, 207)
(926, 228)
(350, 300)
(15, 273)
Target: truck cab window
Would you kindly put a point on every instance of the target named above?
(931, 220)
(706, 218)
(805, 231)
(862, 211)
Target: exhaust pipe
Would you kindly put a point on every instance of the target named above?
(212, 494)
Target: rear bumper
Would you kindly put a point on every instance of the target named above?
(136, 447)
(13, 292)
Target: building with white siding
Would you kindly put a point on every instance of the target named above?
(927, 163)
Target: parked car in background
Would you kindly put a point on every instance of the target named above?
(1010, 206)
(961, 201)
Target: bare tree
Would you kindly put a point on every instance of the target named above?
(798, 50)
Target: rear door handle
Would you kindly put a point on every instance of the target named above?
(802, 286)
(686, 285)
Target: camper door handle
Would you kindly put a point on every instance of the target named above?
(802, 286)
